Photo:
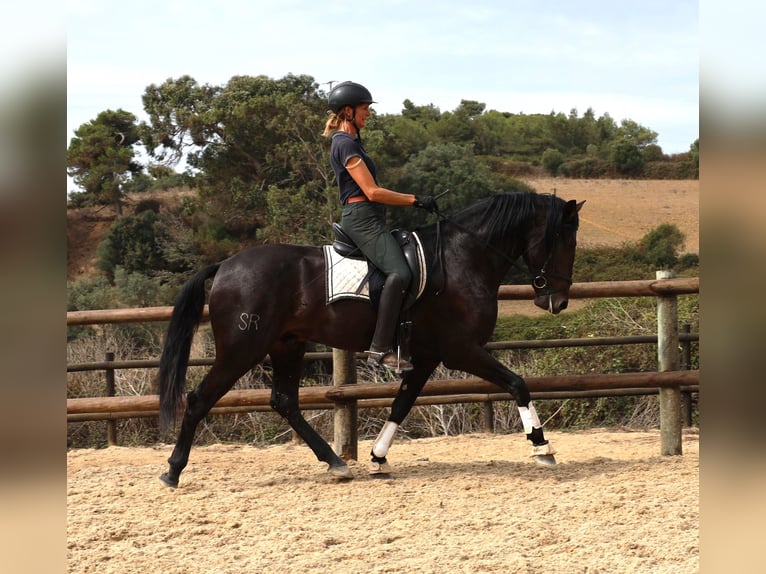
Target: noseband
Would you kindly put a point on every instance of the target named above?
(540, 282)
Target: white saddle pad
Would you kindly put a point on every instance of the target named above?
(345, 276)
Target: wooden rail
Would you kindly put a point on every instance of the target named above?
(644, 288)
(347, 396)
(328, 396)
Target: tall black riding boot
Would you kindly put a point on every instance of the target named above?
(381, 351)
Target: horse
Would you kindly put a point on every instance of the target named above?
(271, 300)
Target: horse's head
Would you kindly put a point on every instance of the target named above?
(551, 256)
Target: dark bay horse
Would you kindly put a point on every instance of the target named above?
(271, 300)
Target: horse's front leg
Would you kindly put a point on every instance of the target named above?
(412, 383)
(287, 363)
(479, 362)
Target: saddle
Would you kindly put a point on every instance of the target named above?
(413, 254)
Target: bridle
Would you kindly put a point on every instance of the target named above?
(540, 280)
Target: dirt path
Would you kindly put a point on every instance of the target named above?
(469, 504)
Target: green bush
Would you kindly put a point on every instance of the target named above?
(661, 245)
(586, 168)
(661, 170)
(552, 160)
(133, 244)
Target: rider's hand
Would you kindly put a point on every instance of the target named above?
(427, 202)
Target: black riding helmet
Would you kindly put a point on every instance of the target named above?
(348, 94)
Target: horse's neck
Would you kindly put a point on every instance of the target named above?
(492, 260)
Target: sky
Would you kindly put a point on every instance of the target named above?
(632, 60)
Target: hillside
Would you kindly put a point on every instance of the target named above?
(620, 210)
(616, 211)
(86, 227)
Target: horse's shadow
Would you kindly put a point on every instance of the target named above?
(426, 471)
(513, 470)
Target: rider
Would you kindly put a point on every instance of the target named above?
(363, 217)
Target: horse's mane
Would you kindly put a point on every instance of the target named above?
(498, 217)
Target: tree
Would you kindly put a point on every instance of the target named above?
(627, 158)
(606, 129)
(458, 126)
(101, 156)
(424, 115)
(636, 134)
(143, 243)
(393, 139)
(293, 216)
(492, 133)
(441, 167)
(179, 116)
(241, 138)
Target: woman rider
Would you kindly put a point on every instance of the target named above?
(363, 216)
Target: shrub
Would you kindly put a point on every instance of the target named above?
(552, 160)
(653, 152)
(133, 244)
(661, 245)
(589, 167)
(670, 170)
(627, 158)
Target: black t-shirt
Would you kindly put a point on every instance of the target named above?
(344, 147)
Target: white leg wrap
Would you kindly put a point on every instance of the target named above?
(384, 440)
(529, 418)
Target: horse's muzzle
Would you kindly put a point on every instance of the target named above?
(555, 303)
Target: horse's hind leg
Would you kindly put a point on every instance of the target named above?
(214, 385)
(287, 362)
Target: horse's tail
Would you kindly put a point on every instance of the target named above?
(184, 321)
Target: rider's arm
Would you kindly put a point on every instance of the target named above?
(363, 178)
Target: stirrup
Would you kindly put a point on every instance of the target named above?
(389, 359)
(375, 357)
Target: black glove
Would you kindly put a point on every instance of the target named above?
(427, 202)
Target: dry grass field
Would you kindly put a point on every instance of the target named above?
(620, 210)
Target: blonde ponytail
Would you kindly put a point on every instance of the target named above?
(333, 124)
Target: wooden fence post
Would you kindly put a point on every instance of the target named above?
(686, 364)
(667, 358)
(489, 416)
(111, 425)
(345, 419)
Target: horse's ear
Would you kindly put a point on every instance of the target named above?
(572, 208)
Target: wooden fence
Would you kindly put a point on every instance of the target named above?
(345, 397)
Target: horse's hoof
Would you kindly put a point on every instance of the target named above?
(341, 471)
(381, 469)
(545, 459)
(167, 481)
